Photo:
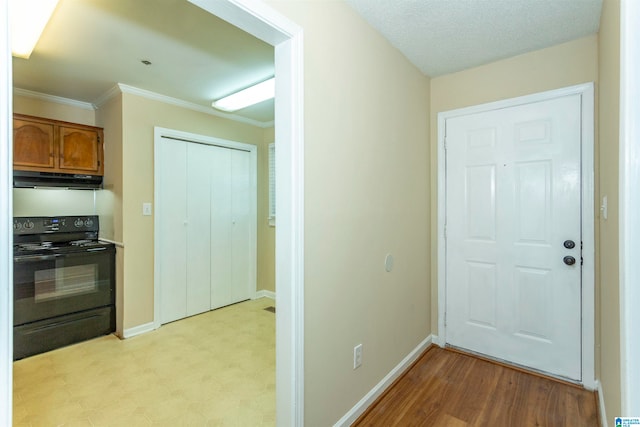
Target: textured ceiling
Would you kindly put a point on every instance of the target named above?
(91, 45)
(445, 36)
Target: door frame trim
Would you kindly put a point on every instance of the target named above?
(586, 91)
(6, 216)
(629, 200)
(193, 138)
(266, 23)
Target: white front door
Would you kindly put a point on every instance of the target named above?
(513, 229)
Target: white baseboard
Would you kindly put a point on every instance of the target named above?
(359, 408)
(265, 294)
(601, 408)
(137, 330)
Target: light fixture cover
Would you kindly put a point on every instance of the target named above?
(246, 97)
(28, 19)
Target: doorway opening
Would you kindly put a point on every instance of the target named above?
(268, 25)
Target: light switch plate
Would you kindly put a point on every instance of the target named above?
(146, 209)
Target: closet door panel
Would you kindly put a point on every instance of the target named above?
(221, 253)
(198, 228)
(242, 261)
(171, 211)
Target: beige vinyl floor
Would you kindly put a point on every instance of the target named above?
(213, 369)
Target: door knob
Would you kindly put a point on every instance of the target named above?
(569, 260)
(569, 244)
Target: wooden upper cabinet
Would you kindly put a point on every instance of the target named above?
(54, 146)
(33, 145)
(80, 150)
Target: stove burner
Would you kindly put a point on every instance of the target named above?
(35, 246)
(83, 242)
(57, 236)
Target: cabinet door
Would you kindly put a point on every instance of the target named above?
(33, 145)
(80, 150)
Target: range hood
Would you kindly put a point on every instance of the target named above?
(29, 179)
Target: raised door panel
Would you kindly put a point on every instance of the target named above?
(33, 145)
(198, 228)
(171, 211)
(221, 231)
(243, 262)
(80, 150)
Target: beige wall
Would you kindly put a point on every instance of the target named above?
(53, 110)
(552, 68)
(609, 119)
(109, 117)
(366, 195)
(140, 116)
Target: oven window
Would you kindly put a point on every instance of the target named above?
(63, 282)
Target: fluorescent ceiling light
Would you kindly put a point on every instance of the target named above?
(246, 97)
(28, 19)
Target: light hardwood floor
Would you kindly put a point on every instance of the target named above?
(448, 388)
(213, 369)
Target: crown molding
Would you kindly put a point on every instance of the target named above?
(105, 97)
(123, 88)
(52, 98)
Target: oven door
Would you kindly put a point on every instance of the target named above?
(47, 286)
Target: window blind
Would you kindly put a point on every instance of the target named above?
(272, 184)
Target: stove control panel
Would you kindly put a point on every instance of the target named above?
(54, 224)
(57, 224)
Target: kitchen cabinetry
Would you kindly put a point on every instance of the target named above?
(46, 145)
(206, 254)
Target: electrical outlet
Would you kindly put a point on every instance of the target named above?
(357, 356)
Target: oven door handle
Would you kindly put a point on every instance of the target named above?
(35, 258)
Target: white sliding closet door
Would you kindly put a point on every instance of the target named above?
(231, 221)
(172, 248)
(206, 256)
(241, 244)
(198, 192)
(221, 219)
